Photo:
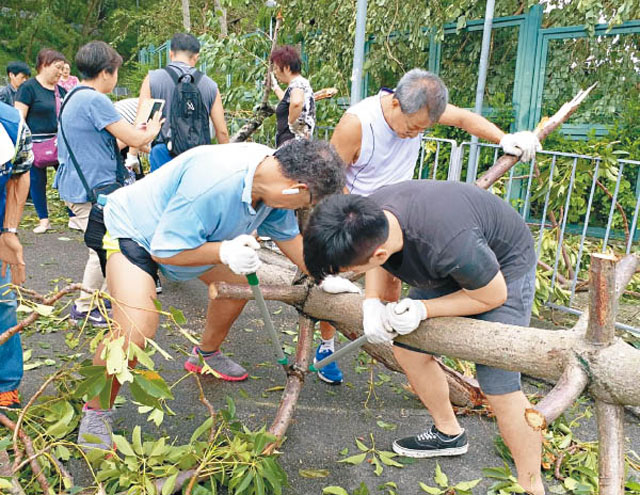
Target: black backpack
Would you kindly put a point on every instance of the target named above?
(189, 120)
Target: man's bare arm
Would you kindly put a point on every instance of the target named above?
(219, 124)
(205, 254)
(376, 282)
(347, 137)
(469, 302)
(471, 122)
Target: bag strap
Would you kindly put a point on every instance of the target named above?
(90, 194)
(196, 75)
(58, 99)
(172, 74)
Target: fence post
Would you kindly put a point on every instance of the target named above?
(523, 83)
(435, 51)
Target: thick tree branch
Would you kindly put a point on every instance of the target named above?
(295, 382)
(34, 316)
(571, 384)
(28, 447)
(611, 442)
(505, 162)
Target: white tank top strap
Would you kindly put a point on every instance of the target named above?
(384, 157)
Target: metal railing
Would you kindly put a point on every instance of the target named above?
(545, 194)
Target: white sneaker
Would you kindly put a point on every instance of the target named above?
(42, 227)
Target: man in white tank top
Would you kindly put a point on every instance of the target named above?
(379, 140)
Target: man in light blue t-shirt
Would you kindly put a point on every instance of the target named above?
(194, 218)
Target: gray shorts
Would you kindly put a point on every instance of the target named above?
(515, 311)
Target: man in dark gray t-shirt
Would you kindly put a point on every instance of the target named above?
(464, 252)
(184, 53)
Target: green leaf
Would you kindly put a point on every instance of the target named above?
(142, 357)
(92, 386)
(206, 426)
(355, 459)
(313, 473)
(387, 458)
(157, 416)
(386, 426)
(497, 472)
(89, 438)
(361, 446)
(5, 484)
(231, 406)
(92, 370)
(123, 445)
(153, 384)
(177, 315)
(334, 490)
(43, 310)
(440, 478)
(378, 465)
(159, 448)
(570, 484)
(430, 489)
(136, 440)
(167, 488)
(139, 395)
(467, 486)
(61, 427)
(361, 490)
(157, 304)
(246, 481)
(105, 395)
(116, 358)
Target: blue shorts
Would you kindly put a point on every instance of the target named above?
(515, 311)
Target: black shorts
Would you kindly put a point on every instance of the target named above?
(515, 311)
(139, 256)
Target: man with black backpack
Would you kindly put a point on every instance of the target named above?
(191, 98)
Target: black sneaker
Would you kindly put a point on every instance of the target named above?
(431, 443)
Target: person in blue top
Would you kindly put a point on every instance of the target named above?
(16, 159)
(194, 218)
(91, 125)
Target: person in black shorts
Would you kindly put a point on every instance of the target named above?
(464, 252)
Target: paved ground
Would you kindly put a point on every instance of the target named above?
(327, 418)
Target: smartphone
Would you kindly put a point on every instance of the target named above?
(157, 107)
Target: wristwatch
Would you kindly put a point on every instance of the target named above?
(9, 230)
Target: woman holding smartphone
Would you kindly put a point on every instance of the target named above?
(94, 132)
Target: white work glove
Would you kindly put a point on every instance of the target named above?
(334, 284)
(376, 328)
(405, 316)
(132, 163)
(274, 81)
(523, 144)
(240, 255)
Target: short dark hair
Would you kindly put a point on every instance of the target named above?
(185, 42)
(96, 56)
(343, 231)
(16, 68)
(287, 56)
(312, 162)
(47, 56)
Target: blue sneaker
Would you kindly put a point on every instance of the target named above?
(330, 373)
